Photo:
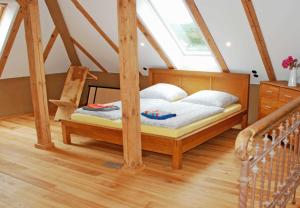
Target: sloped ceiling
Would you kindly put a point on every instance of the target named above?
(226, 21)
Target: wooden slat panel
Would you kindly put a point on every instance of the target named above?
(129, 82)
(210, 40)
(62, 28)
(37, 75)
(259, 38)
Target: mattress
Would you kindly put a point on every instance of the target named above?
(156, 130)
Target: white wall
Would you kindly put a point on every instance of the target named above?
(226, 20)
(279, 21)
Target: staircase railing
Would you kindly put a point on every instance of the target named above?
(269, 151)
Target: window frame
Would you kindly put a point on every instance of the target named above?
(176, 40)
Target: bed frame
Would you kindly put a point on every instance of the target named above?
(191, 81)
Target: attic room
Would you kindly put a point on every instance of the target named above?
(149, 103)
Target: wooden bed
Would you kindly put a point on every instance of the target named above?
(236, 84)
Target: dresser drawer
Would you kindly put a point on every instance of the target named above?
(287, 95)
(267, 106)
(269, 91)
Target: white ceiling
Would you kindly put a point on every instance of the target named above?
(225, 19)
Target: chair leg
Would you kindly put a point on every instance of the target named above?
(66, 134)
(177, 155)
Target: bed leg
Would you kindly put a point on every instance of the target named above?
(245, 122)
(66, 134)
(177, 155)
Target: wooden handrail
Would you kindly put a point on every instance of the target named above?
(245, 137)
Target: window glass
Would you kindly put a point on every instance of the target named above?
(179, 22)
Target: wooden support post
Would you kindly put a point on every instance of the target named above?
(37, 75)
(62, 28)
(129, 82)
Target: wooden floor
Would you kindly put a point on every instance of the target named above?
(88, 174)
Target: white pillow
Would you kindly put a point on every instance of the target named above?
(163, 91)
(212, 98)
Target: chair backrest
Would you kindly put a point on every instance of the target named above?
(74, 84)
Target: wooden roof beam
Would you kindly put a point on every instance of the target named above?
(50, 44)
(11, 39)
(155, 44)
(209, 38)
(129, 82)
(259, 38)
(94, 60)
(62, 28)
(88, 17)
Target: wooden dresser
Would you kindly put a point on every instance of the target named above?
(275, 94)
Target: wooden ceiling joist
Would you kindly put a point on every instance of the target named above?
(37, 75)
(90, 19)
(155, 44)
(62, 28)
(11, 38)
(94, 60)
(129, 82)
(259, 38)
(209, 38)
(50, 44)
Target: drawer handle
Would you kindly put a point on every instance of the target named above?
(268, 107)
(269, 91)
(288, 96)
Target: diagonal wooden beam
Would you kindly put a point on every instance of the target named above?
(23, 3)
(37, 75)
(11, 38)
(259, 38)
(62, 28)
(83, 11)
(50, 44)
(209, 38)
(83, 50)
(154, 44)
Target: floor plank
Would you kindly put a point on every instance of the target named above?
(88, 175)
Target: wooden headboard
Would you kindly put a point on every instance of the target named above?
(191, 82)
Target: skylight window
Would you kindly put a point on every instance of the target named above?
(181, 25)
(8, 12)
(175, 30)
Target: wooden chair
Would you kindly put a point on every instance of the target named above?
(71, 94)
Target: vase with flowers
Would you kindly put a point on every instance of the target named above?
(291, 63)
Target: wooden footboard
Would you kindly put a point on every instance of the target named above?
(155, 143)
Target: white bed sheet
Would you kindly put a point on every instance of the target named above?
(117, 114)
(186, 113)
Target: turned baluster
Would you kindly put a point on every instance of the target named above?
(285, 142)
(272, 154)
(255, 170)
(263, 171)
(278, 156)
